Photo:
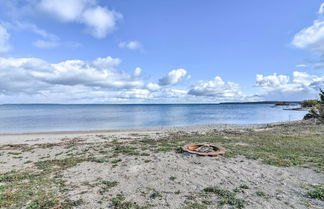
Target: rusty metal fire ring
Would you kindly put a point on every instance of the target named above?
(191, 149)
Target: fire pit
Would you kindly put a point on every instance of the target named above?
(204, 149)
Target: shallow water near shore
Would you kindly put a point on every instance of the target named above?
(44, 118)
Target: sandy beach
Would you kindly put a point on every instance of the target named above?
(265, 166)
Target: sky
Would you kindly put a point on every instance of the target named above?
(170, 51)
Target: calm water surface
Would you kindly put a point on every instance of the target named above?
(39, 118)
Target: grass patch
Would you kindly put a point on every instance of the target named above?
(119, 202)
(115, 161)
(317, 192)
(126, 150)
(107, 185)
(195, 206)
(31, 190)
(226, 197)
(279, 145)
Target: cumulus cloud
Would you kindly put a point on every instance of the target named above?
(173, 77)
(99, 21)
(77, 81)
(271, 81)
(218, 89)
(4, 40)
(132, 45)
(312, 37)
(33, 75)
(280, 87)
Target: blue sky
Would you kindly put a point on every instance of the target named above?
(128, 51)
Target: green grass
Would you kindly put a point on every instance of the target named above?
(115, 161)
(226, 197)
(126, 150)
(280, 145)
(317, 192)
(119, 202)
(155, 195)
(107, 185)
(195, 206)
(32, 190)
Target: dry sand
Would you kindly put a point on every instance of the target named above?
(163, 179)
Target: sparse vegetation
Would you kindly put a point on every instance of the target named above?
(44, 186)
(317, 192)
(195, 206)
(155, 194)
(226, 197)
(310, 103)
(119, 202)
(317, 110)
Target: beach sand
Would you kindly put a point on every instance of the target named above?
(144, 168)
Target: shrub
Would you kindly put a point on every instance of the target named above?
(310, 103)
(317, 111)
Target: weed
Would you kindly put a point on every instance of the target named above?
(317, 192)
(226, 197)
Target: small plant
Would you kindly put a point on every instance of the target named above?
(110, 184)
(172, 178)
(226, 197)
(107, 185)
(261, 194)
(317, 193)
(195, 206)
(241, 188)
(116, 161)
(119, 202)
(155, 195)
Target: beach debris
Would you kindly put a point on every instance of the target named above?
(204, 149)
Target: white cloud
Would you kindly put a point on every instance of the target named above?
(132, 45)
(271, 81)
(45, 44)
(137, 72)
(218, 89)
(35, 29)
(4, 40)
(73, 81)
(312, 37)
(321, 9)
(65, 10)
(99, 21)
(152, 86)
(33, 75)
(281, 87)
(173, 77)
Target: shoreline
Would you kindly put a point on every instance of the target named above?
(218, 126)
(56, 136)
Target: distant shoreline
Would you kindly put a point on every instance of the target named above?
(258, 102)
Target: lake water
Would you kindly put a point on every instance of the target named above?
(43, 118)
